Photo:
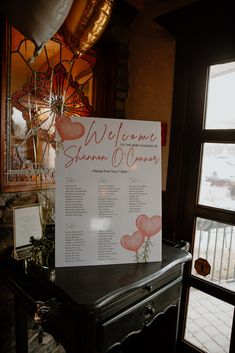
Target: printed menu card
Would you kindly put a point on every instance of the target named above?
(108, 191)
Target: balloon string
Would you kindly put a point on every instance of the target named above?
(35, 140)
(35, 91)
(25, 48)
(51, 85)
(68, 81)
(33, 135)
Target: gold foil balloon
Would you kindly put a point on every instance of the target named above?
(37, 20)
(85, 23)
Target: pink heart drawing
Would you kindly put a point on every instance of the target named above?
(149, 226)
(132, 242)
(69, 130)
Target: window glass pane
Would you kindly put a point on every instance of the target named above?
(209, 322)
(217, 183)
(214, 252)
(221, 97)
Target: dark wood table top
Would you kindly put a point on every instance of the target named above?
(111, 281)
(93, 286)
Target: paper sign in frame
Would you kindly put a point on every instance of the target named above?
(103, 143)
(23, 248)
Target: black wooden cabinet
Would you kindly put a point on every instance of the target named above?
(95, 309)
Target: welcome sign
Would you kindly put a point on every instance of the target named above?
(108, 191)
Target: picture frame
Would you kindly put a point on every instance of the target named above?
(27, 223)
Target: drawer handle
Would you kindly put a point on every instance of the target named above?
(149, 311)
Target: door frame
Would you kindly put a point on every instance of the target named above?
(198, 45)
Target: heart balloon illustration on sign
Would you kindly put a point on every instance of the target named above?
(149, 225)
(132, 242)
(69, 130)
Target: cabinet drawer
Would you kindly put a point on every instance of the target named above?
(134, 318)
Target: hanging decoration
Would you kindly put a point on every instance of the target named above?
(79, 23)
(37, 20)
(85, 23)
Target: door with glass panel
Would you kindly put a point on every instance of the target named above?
(208, 210)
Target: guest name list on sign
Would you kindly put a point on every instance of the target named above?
(108, 191)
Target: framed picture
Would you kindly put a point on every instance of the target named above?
(27, 224)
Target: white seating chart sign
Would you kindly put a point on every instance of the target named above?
(108, 191)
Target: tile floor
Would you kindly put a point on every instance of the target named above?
(209, 323)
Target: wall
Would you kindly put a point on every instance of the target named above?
(151, 70)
